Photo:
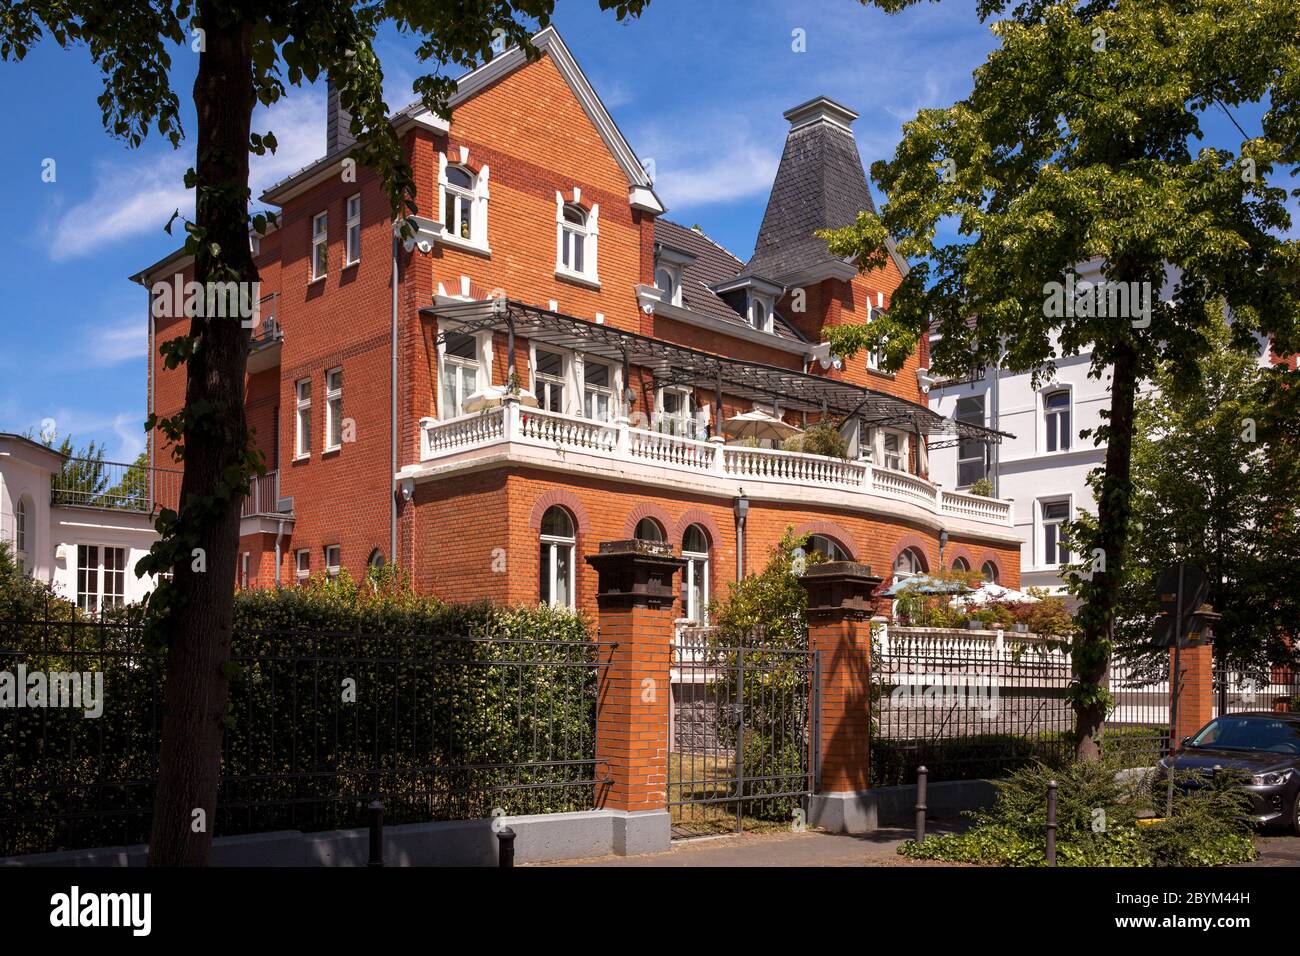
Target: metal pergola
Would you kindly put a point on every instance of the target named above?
(680, 365)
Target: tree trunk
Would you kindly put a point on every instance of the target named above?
(199, 629)
(1092, 651)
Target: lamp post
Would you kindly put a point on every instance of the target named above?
(740, 505)
(943, 543)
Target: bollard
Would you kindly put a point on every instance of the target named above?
(1051, 823)
(921, 775)
(376, 834)
(506, 847)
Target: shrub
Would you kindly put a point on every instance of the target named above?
(983, 488)
(1099, 823)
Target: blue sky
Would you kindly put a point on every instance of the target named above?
(699, 88)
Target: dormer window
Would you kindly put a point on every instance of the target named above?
(667, 283)
(463, 200)
(576, 235)
(760, 313)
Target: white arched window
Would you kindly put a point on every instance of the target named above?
(989, 572)
(908, 563)
(1056, 420)
(577, 232)
(22, 533)
(557, 544)
(665, 283)
(960, 564)
(695, 576)
(463, 199)
(828, 548)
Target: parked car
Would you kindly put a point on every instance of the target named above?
(1262, 748)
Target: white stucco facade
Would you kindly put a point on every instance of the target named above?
(51, 542)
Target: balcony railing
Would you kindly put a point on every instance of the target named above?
(267, 331)
(511, 423)
(114, 485)
(263, 496)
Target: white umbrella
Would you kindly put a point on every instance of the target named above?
(491, 396)
(760, 425)
(988, 592)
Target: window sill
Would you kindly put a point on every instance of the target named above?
(351, 265)
(298, 458)
(578, 278)
(313, 281)
(329, 452)
(879, 374)
(465, 245)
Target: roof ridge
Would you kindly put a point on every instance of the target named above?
(706, 237)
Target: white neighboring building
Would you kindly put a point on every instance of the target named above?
(1044, 468)
(84, 546)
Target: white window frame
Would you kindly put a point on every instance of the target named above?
(482, 364)
(760, 310)
(243, 570)
(681, 423)
(551, 380)
(588, 234)
(608, 391)
(333, 560)
(478, 195)
(302, 419)
(695, 582)
(333, 409)
(105, 586)
(352, 231)
(1042, 523)
(320, 239)
(904, 449)
(674, 274)
(553, 543)
(22, 533)
(302, 564)
(1050, 426)
(903, 576)
(873, 312)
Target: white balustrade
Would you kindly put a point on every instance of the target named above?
(769, 464)
(567, 431)
(645, 445)
(452, 435)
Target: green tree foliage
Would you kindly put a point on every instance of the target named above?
(1216, 484)
(1083, 141)
(248, 54)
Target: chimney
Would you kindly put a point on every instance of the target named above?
(338, 122)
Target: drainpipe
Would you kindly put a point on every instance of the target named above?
(740, 505)
(279, 536)
(392, 497)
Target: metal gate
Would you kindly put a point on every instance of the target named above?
(742, 735)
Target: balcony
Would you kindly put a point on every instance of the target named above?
(267, 335)
(114, 486)
(510, 434)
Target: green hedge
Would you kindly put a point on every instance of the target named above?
(450, 702)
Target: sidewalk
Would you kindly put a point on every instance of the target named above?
(810, 848)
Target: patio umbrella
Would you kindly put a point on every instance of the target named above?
(989, 592)
(491, 396)
(760, 425)
(925, 584)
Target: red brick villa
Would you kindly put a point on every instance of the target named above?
(379, 385)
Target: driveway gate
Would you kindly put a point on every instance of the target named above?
(743, 736)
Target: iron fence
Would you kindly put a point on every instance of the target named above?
(93, 483)
(1237, 690)
(439, 727)
(742, 736)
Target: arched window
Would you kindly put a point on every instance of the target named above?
(960, 564)
(695, 576)
(1056, 420)
(647, 529)
(909, 562)
(989, 572)
(557, 545)
(458, 203)
(758, 315)
(376, 559)
(22, 533)
(664, 283)
(574, 236)
(828, 548)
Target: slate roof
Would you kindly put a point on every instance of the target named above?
(713, 265)
(820, 184)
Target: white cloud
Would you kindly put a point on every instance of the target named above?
(298, 121)
(130, 434)
(129, 198)
(107, 345)
(696, 167)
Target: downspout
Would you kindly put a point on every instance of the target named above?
(279, 536)
(392, 497)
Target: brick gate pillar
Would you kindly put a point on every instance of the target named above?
(635, 596)
(839, 627)
(1196, 691)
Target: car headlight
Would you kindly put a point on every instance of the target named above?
(1273, 778)
(1164, 764)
